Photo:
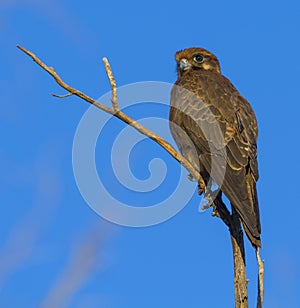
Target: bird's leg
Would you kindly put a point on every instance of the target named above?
(220, 210)
(205, 177)
(217, 203)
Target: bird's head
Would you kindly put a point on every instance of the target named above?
(196, 59)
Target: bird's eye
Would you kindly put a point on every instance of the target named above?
(198, 58)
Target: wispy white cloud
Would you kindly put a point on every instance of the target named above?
(58, 15)
(87, 257)
(23, 237)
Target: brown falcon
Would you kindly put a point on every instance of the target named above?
(215, 128)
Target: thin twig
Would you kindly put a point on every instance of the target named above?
(260, 284)
(51, 71)
(62, 96)
(113, 84)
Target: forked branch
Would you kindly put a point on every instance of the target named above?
(115, 111)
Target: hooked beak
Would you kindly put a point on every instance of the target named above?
(184, 65)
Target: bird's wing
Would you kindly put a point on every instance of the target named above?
(222, 126)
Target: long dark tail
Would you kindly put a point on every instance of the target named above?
(251, 224)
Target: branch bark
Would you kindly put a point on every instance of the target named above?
(231, 220)
(260, 283)
(237, 241)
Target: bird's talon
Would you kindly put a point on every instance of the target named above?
(200, 190)
(215, 213)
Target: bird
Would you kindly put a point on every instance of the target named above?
(215, 129)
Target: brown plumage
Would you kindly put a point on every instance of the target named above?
(215, 128)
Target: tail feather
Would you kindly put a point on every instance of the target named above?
(251, 224)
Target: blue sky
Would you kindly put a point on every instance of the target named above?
(54, 250)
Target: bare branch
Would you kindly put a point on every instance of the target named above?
(261, 274)
(237, 240)
(113, 84)
(119, 114)
(240, 280)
